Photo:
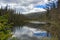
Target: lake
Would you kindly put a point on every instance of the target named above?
(30, 31)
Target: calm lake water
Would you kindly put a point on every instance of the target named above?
(30, 31)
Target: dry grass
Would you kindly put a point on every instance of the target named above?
(54, 38)
(47, 38)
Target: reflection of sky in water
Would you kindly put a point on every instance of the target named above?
(28, 5)
(18, 32)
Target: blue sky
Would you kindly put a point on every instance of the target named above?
(25, 6)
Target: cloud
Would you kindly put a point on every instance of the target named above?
(35, 10)
(24, 5)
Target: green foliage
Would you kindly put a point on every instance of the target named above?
(4, 28)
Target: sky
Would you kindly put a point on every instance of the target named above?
(25, 6)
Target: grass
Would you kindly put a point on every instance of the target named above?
(47, 38)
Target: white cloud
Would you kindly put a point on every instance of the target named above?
(24, 5)
(35, 10)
